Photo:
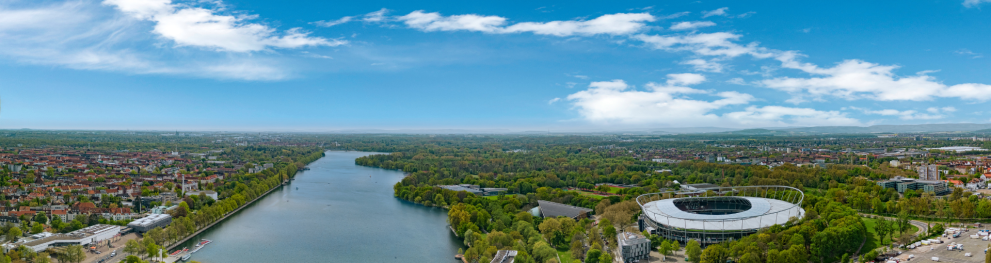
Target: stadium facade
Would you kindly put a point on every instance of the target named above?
(718, 214)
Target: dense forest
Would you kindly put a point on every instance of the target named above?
(568, 173)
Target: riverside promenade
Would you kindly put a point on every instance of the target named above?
(184, 240)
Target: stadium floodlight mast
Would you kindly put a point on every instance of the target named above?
(718, 214)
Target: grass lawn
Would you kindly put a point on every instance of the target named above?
(565, 255)
(492, 197)
(597, 197)
(872, 240)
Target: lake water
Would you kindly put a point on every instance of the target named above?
(340, 212)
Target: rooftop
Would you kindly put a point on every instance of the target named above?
(552, 209)
(631, 238)
(504, 256)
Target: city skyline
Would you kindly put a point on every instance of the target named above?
(513, 66)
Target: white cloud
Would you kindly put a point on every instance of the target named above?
(967, 52)
(974, 3)
(436, 22)
(691, 25)
(675, 15)
(200, 27)
(612, 24)
(687, 79)
(704, 65)
(333, 23)
(552, 101)
(850, 79)
(581, 76)
(615, 102)
(737, 81)
(856, 79)
(86, 35)
(718, 44)
(934, 113)
(717, 12)
(377, 16)
(778, 116)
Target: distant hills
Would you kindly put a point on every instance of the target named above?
(914, 128)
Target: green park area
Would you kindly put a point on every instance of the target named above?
(873, 239)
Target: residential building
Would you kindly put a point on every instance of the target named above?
(633, 246)
(928, 172)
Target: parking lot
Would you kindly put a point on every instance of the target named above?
(974, 246)
(105, 250)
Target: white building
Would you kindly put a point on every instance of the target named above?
(208, 193)
(40, 242)
(634, 246)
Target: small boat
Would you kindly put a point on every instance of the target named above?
(200, 245)
(185, 257)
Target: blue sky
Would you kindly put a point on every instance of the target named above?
(513, 65)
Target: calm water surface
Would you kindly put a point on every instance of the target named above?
(339, 213)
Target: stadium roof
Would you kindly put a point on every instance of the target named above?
(764, 212)
(552, 209)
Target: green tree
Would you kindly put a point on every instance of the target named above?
(152, 250)
(14, 233)
(903, 222)
(75, 253)
(37, 228)
(134, 259)
(41, 218)
(605, 258)
(714, 253)
(693, 251)
(543, 252)
(132, 247)
(42, 258)
(664, 248)
(593, 256)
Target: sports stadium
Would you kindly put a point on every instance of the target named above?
(718, 214)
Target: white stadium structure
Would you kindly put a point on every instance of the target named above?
(718, 214)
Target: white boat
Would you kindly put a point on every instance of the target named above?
(200, 245)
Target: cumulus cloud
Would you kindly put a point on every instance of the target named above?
(201, 27)
(612, 24)
(717, 12)
(851, 79)
(334, 22)
(856, 79)
(87, 35)
(618, 103)
(691, 25)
